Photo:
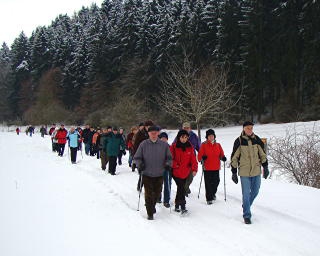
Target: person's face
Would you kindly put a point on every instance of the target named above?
(146, 127)
(62, 126)
(121, 131)
(164, 139)
(141, 128)
(87, 126)
(115, 131)
(184, 138)
(105, 130)
(98, 131)
(211, 137)
(188, 129)
(135, 131)
(248, 130)
(153, 135)
(109, 130)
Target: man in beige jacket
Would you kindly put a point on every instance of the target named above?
(248, 155)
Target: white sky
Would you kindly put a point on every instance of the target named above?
(26, 15)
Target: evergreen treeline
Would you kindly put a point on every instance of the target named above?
(106, 63)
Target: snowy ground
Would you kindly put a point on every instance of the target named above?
(51, 207)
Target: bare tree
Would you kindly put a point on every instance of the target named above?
(297, 156)
(192, 93)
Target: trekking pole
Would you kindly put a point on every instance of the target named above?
(140, 188)
(202, 162)
(224, 179)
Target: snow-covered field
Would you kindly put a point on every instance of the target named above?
(51, 207)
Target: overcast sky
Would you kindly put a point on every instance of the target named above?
(26, 15)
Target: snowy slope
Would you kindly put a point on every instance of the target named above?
(51, 207)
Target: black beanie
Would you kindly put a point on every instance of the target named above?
(210, 132)
(163, 135)
(247, 123)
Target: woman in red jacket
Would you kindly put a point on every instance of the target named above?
(184, 161)
(210, 154)
(61, 136)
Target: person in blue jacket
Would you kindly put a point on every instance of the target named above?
(73, 138)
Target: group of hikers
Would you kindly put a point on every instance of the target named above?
(158, 162)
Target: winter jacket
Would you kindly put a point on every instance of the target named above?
(101, 139)
(140, 136)
(73, 139)
(94, 138)
(154, 156)
(43, 130)
(113, 143)
(61, 136)
(53, 136)
(129, 143)
(214, 153)
(85, 135)
(248, 155)
(52, 129)
(183, 161)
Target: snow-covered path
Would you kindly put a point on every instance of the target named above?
(51, 207)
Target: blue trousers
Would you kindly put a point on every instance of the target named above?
(250, 189)
(87, 147)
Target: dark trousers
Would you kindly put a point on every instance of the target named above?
(87, 148)
(61, 149)
(112, 164)
(54, 147)
(120, 157)
(104, 159)
(189, 180)
(211, 181)
(73, 152)
(180, 196)
(152, 191)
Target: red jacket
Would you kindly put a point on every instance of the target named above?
(61, 136)
(214, 152)
(183, 161)
(51, 130)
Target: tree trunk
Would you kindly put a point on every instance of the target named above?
(199, 131)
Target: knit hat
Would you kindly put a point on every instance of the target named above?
(186, 125)
(163, 135)
(141, 124)
(153, 128)
(210, 132)
(181, 133)
(247, 123)
(115, 128)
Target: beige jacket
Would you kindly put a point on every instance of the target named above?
(248, 155)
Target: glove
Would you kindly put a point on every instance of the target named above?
(235, 178)
(265, 172)
(141, 167)
(224, 158)
(167, 168)
(204, 158)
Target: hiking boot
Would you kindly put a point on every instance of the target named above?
(176, 208)
(209, 202)
(167, 205)
(247, 220)
(150, 217)
(214, 198)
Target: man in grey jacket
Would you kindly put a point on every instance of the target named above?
(152, 158)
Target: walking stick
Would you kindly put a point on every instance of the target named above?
(140, 188)
(203, 169)
(224, 179)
